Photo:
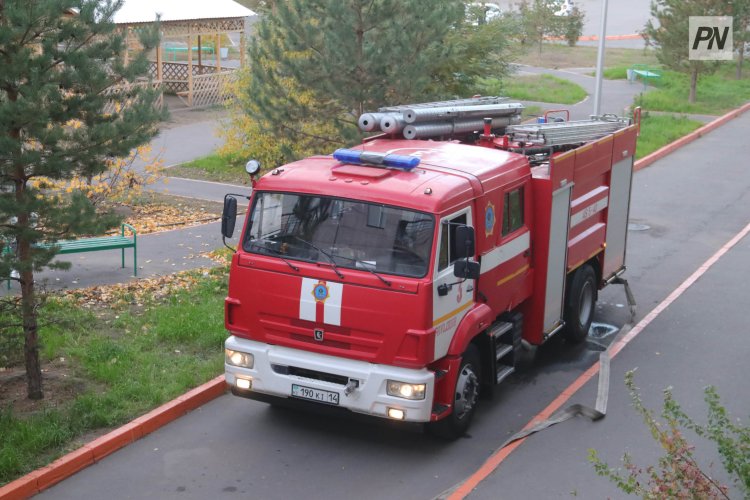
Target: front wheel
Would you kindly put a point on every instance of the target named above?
(465, 397)
(579, 304)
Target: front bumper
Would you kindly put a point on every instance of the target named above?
(277, 368)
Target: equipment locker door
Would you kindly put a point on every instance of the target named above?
(558, 256)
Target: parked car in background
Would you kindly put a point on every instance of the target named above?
(563, 7)
(482, 12)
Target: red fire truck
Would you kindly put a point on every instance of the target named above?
(403, 276)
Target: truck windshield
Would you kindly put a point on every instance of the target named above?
(344, 233)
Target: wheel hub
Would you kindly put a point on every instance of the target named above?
(467, 391)
(586, 299)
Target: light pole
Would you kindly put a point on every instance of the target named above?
(600, 60)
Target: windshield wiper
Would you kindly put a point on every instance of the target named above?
(366, 266)
(275, 252)
(328, 256)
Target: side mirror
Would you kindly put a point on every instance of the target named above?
(464, 242)
(229, 216)
(466, 269)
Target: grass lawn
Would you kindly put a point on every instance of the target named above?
(211, 168)
(107, 364)
(555, 55)
(543, 88)
(716, 94)
(660, 130)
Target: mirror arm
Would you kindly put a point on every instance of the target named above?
(247, 197)
(224, 240)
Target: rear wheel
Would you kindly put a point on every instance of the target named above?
(465, 397)
(579, 304)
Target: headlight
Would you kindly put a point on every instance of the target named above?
(237, 358)
(404, 390)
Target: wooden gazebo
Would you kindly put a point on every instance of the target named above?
(188, 60)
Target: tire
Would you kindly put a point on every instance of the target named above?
(579, 304)
(466, 397)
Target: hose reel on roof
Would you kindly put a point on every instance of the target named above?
(441, 118)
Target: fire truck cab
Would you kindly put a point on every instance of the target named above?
(401, 278)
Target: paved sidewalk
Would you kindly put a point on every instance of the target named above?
(617, 95)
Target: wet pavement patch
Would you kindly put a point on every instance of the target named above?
(638, 227)
(598, 335)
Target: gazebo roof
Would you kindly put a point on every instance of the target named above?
(145, 11)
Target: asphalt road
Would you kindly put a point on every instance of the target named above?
(686, 207)
(623, 18)
(617, 95)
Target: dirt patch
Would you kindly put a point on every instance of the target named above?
(180, 115)
(58, 380)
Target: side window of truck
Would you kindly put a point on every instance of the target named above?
(512, 211)
(448, 242)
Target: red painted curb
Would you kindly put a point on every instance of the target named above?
(22, 487)
(63, 467)
(595, 38)
(69, 464)
(682, 141)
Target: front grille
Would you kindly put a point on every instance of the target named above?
(328, 343)
(311, 374)
(298, 334)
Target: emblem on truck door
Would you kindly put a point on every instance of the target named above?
(489, 219)
(318, 334)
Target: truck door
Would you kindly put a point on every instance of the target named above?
(505, 267)
(449, 306)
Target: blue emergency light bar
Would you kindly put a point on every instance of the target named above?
(357, 157)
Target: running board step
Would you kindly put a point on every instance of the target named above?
(500, 329)
(502, 350)
(503, 371)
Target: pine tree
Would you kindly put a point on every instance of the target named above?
(58, 58)
(324, 62)
(669, 34)
(539, 21)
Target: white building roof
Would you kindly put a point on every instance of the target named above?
(145, 11)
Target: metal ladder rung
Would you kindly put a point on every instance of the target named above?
(502, 350)
(503, 372)
(500, 329)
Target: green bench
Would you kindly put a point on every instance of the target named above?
(115, 242)
(644, 73)
(174, 50)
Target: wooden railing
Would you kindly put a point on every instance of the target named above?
(121, 98)
(208, 89)
(175, 75)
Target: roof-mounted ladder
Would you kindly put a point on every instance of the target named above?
(565, 133)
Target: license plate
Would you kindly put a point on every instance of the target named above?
(327, 397)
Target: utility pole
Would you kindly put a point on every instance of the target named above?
(600, 60)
